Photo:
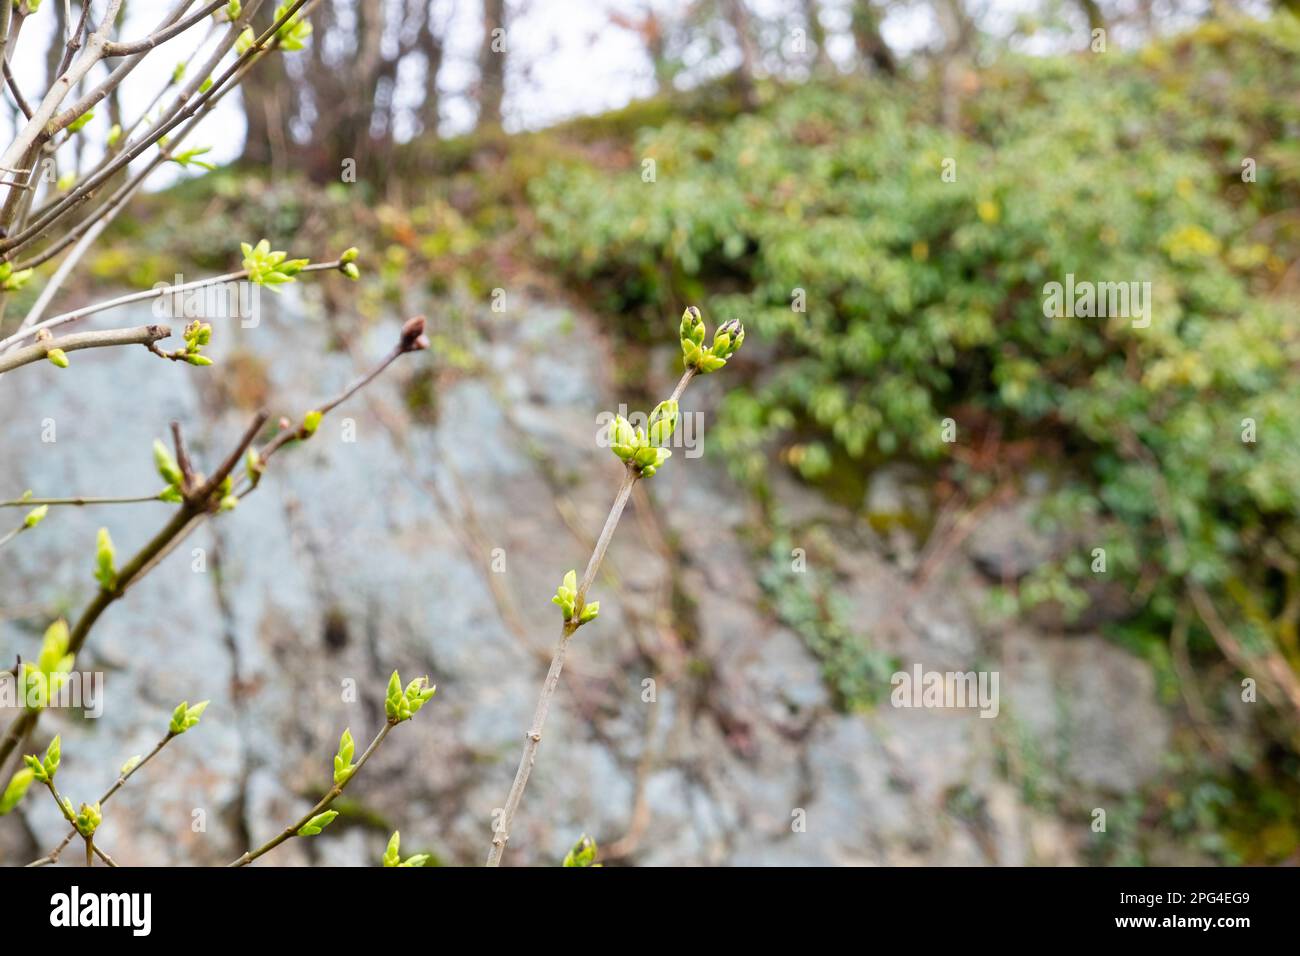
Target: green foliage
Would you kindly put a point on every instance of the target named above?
(856, 673)
(889, 296)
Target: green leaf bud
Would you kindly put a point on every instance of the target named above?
(105, 558)
(343, 759)
(663, 420)
(317, 823)
(166, 464)
(583, 853)
(16, 789)
(391, 854)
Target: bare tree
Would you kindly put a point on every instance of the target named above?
(341, 102)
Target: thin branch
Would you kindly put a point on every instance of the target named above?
(533, 738)
(188, 516)
(145, 335)
(321, 806)
(143, 296)
(77, 502)
(162, 36)
(67, 815)
(35, 130)
(83, 191)
(53, 855)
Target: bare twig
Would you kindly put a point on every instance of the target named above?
(53, 855)
(145, 335)
(143, 296)
(533, 738)
(192, 512)
(321, 806)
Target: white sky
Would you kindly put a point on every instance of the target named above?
(567, 58)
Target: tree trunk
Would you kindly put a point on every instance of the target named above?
(816, 33)
(738, 18)
(492, 64)
(865, 25)
(1092, 10)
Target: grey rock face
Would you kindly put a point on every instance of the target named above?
(435, 548)
(1006, 544)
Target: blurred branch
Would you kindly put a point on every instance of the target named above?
(141, 335)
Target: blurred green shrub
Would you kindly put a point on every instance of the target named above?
(925, 297)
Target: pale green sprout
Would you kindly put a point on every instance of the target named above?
(343, 766)
(317, 823)
(57, 358)
(16, 789)
(727, 340)
(43, 770)
(295, 31)
(87, 819)
(130, 765)
(168, 470)
(645, 451)
(269, 267)
(253, 467)
(52, 666)
(189, 158)
(566, 596)
(184, 716)
(311, 422)
(105, 561)
(582, 853)
(392, 854)
(78, 124)
(11, 281)
(403, 704)
(36, 516)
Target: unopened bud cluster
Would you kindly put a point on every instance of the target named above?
(566, 596)
(643, 448)
(403, 704)
(727, 340)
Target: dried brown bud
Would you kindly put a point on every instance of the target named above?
(413, 337)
